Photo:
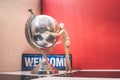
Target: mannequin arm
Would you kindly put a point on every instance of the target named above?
(55, 34)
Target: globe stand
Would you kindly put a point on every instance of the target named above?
(44, 67)
(35, 29)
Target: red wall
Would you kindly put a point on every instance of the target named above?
(94, 30)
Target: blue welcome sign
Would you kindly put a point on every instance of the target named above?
(31, 60)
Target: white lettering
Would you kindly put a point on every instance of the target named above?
(59, 62)
(28, 61)
(52, 61)
(35, 61)
(40, 59)
(64, 61)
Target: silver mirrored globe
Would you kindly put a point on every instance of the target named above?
(39, 25)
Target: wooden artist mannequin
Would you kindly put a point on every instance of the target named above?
(66, 42)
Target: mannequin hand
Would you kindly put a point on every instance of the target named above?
(47, 32)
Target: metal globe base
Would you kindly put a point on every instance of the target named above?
(44, 67)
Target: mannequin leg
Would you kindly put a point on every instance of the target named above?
(68, 63)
